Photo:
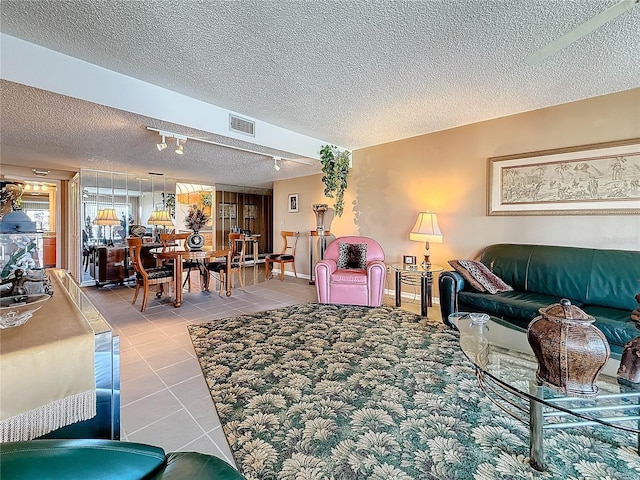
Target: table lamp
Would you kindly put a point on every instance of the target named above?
(426, 230)
(160, 218)
(107, 217)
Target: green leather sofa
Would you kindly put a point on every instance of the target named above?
(603, 283)
(104, 460)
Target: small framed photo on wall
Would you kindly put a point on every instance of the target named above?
(293, 203)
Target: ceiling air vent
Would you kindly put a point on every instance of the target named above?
(242, 125)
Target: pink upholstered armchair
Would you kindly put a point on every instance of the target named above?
(350, 273)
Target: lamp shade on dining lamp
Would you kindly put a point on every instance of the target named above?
(106, 216)
(160, 217)
(426, 230)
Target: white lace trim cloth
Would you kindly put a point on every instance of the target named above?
(50, 417)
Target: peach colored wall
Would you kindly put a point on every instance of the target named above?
(445, 172)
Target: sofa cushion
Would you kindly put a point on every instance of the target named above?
(352, 255)
(349, 276)
(479, 276)
(615, 279)
(560, 271)
(614, 323)
(518, 307)
(509, 262)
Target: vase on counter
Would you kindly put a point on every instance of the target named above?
(319, 209)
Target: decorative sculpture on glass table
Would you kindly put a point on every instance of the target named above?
(629, 371)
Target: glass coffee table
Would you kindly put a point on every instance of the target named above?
(506, 372)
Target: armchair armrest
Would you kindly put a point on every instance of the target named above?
(449, 284)
(324, 269)
(376, 274)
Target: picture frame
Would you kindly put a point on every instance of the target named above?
(293, 204)
(596, 179)
(250, 211)
(228, 211)
(409, 259)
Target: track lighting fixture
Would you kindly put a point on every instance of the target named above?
(179, 147)
(182, 139)
(163, 145)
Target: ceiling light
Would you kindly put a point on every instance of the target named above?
(179, 148)
(184, 138)
(40, 173)
(275, 163)
(163, 145)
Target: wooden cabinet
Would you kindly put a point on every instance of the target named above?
(49, 251)
(110, 266)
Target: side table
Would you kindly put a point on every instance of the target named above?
(406, 273)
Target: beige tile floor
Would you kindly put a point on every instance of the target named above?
(164, 397)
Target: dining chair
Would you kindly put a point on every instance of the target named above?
(172, 240)
(287, 255)
(160, 276)
(237, 245)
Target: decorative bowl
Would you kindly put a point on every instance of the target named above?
(16, 310)
(479, 318)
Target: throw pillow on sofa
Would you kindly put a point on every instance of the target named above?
(479, 276)
(352, 256)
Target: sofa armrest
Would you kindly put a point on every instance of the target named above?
(196, 466)
(449, 284)
(107, 459)
(79, 459)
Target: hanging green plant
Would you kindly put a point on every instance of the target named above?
(169, 201)
(335, 167)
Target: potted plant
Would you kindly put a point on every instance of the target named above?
(195, 220)
(335, 167)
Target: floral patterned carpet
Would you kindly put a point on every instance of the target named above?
(331, 392)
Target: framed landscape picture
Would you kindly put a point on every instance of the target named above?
(587, 180)
(228, 210)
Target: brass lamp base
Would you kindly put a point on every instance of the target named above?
(426, 264)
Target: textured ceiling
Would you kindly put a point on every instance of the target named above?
(354, 73)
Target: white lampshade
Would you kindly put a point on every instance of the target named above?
(107, 216)
(160, 217)
(426, 229)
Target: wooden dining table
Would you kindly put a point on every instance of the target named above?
(180, 254)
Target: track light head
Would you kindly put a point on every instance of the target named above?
(179, 147)
(276, 166)
(163, 145)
